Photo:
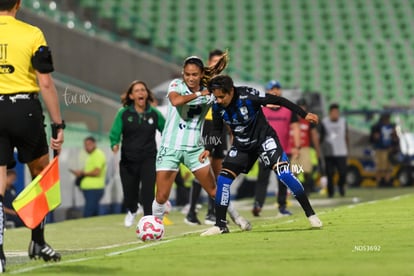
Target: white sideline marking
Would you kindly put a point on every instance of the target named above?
(139, 247)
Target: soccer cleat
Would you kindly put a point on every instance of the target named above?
(45, 251)
(215, 230)
(129, 219)
(315, 221)
(2, 265)
(243, 223)
(284, 212)
(210, 219)
(256, 211)
(191, 219)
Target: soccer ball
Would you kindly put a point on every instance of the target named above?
(150, 228)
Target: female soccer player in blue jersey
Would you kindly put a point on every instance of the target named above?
(253, 137)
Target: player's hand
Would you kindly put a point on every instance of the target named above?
(205, 92)
(312, 118)
(203, 156)
(56, 143)
(115, 149)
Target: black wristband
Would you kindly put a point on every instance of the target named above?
(62, 125)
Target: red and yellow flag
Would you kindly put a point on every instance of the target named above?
(40, 197)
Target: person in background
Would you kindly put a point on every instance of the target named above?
(309, 138)
(26, 67)
(11, 216)
(136, 124)
(385, 141)
(285, 123)
(334, 146)
(93, 177)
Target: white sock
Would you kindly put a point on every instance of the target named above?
(232, 211)
(158, 210)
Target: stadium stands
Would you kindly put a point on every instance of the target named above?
(358, 51)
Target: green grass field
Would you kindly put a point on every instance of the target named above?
(372, 237)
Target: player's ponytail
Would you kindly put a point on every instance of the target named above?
(210, 72)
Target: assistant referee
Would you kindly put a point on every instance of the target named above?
(25, 67)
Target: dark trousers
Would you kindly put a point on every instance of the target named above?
(261, 188)
(92, 199)
(134, 174)
(333, 164)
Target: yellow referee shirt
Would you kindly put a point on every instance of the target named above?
(18, 43)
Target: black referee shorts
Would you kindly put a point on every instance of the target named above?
(21, 127)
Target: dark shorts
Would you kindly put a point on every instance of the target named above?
(219, 150)
(21, 127)
(268, 150)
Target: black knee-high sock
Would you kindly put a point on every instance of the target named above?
(210, 210)
(2, 222)
(38, 233)
(195, 195)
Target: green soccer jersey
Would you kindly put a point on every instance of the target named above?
(183, 124)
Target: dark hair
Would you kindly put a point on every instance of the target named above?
(333, 106)
(223, 82)
(90, 138)
(216, 52)
(209, 72)
(126, 101)
(7, 5)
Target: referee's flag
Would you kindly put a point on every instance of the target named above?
(40, 197)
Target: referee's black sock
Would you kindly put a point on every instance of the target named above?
(195, 195)
(38, 233)
(2, 221)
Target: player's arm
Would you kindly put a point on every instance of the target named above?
(314, 135)
(116, 131)
(43, 65)
(272, 99)
(295, 128)
(177, 99)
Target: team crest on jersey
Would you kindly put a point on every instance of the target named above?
(243, 110)
(130, 119)
(150, 121)
(233, 153)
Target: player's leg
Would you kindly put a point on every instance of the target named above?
(282, 170)
(282, 199)
(167, 164)
(148, 178)
(164, 182)
(195, 191)
(234, 163)
(330, 170)
(260, 189)
(342, 167)
(130, 189)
